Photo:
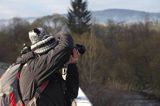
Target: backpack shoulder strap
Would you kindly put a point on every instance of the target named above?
(40, 89)
(19, 71)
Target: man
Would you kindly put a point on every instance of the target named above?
(51, 54)
(72, 77)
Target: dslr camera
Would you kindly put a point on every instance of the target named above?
(81, 48)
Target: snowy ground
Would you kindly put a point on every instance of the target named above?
(82, 99)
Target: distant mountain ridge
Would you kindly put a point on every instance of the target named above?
(124, 15)
(117, 15)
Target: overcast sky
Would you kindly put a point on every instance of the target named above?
(37, 8)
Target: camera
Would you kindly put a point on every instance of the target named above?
(25, 49)
(81, 48)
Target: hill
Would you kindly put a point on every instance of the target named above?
(117, 15)
(124, 15)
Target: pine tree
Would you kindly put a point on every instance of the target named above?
(78, 18)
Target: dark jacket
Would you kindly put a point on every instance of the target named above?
(72, 83)
(53, 95)
(45, 67)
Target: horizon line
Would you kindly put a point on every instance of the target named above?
(89, 10)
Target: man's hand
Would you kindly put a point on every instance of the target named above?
(75, 56)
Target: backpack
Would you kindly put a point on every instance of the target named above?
(9, 91)
(9, 87)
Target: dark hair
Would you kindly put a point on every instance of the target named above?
(80, 48)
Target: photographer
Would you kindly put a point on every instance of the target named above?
(72, 78)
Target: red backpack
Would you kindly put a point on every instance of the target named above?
(9, 87)
(9, 94)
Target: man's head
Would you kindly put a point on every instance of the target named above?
(41, 41)
(77, 51)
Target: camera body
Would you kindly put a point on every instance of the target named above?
(81, 48)
(25, 49)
